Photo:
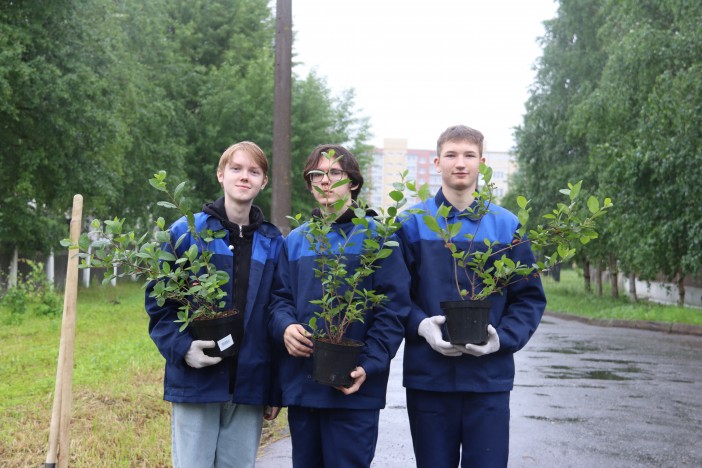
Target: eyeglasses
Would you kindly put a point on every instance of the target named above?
(334, 175)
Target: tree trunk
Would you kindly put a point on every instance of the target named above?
(556, 272)
(632, 288)
(50, 273)
(586, 276)
(614, 275)
(86, 272)
(12, 280)
(598, 278)
(681, 289)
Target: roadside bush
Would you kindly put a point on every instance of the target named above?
(33, 294)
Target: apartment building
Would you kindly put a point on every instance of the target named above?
(394, 158)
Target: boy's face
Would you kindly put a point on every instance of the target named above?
(459, 164)
(242, 179)
(330, 195)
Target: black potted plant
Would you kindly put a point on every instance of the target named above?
(189, 278)
(486, 267)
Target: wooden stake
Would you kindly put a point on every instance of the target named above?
(59, 437)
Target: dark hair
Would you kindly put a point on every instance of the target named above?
(460, 133)
(347, 161)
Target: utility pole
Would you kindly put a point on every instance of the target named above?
(281, 205)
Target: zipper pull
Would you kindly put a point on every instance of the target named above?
(241, 233)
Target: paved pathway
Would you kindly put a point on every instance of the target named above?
(584, 396)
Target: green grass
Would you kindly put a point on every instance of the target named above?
(569, 296)
(119, 417)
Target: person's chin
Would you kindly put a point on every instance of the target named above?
(326, 201)
(461, 184)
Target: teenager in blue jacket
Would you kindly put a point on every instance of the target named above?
(218, 405)
(335, 426)
(458, 396)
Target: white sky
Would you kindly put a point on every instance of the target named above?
(419, 66)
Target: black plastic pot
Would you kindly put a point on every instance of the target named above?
(466, 321)
(332, 363)
(227, 333)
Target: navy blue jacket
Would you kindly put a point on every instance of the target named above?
(382, 331)
(254, 382)
(515, 313)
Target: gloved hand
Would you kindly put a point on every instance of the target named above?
(492, 345)
(430, 329)
(196, 357)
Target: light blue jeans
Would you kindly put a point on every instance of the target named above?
(215, 435)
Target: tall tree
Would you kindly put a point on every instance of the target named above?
(550, 150)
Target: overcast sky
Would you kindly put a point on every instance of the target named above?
(419, 66)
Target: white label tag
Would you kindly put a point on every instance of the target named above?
(226, 342)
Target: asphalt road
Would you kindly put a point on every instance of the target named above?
(584, 396)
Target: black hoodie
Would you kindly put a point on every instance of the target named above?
(241, 244)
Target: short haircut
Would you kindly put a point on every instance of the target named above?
(347, 161)
(460, 133)
(252, 149)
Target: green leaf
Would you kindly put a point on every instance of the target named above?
(158, 185)
(163, 236)
(166, 204)
(179, 188)
(396, 195)
(191, 253)
(454, 229)
(431, 223)
(593, 204)
(384, 253)
(166, 256)
(180, 240)
(424, 192)
(341, 183)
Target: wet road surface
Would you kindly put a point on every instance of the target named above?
(584, 396)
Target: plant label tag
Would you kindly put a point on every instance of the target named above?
(226, 342)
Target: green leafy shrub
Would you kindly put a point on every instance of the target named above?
(342, 300)
(33, 294)
(489, 269)
(191, 280)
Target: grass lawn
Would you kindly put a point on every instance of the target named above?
(568, 296)
(119, 417)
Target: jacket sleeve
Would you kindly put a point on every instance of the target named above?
(386, 330)
(525, 305)
(282, 307)
(170, 341)
(415, 314)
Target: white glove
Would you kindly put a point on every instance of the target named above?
(492, 345)
(430, 329)
(196, 357)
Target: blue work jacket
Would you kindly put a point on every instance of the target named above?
(255, 383)
(515, 313)
(382, 329)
